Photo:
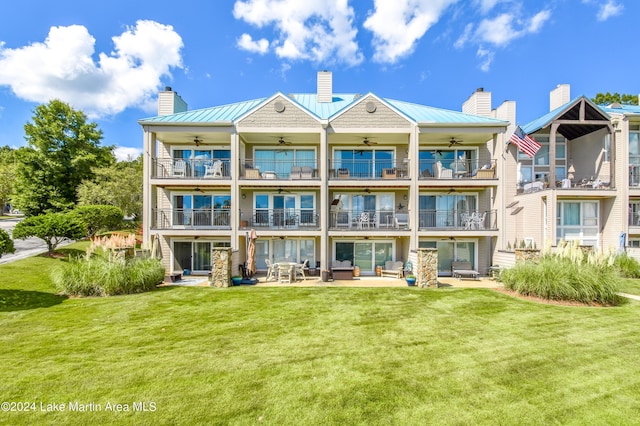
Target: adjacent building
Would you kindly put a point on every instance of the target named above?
(342, 176)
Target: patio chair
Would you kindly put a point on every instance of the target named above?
(295, 173)
(271, 270)
(363, 220)
(401, 220)
(180, 168)
(284, 273)
(299, 270)
(214, 170)
(442, 172)
(306, 172)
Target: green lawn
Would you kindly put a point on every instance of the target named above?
(631, 286)
(249, 355)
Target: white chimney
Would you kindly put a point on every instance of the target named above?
(479, 103)
(169, 102)
(506, 112)
(559, 96)
(325, 89)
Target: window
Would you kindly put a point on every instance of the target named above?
(197, 159)
(448, 251)
(634, 154)
(443, 211)
(280, 161)
(456, 159)
(578, 220)
(537, 168)
(364, 163)
(199, 210)
(285, 210)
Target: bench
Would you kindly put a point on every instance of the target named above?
(393, 269)
(342, 270)
(461, 270)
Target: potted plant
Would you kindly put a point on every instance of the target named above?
(411, 279)
(236, 280)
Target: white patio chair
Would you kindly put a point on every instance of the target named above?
(214, 170)
(363, 220)
(284, 273)
(180, 168)
(271, 270)
(299, 270)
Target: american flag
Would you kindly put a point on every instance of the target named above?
(524, 142)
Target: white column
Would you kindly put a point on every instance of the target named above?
(324, 200)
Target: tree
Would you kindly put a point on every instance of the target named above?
(118, 185)
(609, 98)
(6, 243)
(7, 175)
(63, 148)
(97, 218)
(53, 228)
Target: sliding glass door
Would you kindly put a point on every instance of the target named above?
(449, 251)
(364, 254)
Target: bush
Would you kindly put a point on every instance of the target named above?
(97, 276)
(560, 278)
(99, 218)
(627, 266)
(6, 243)
(53, 228)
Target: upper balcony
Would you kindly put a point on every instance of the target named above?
(457, 169)
(372, 220)
(457, 220)
(355, 169)
(205, 218)
(190, 169)
(301, 169)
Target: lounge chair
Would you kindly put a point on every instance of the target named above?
(460, 269)
(392, 269)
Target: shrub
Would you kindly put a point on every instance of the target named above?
(53, 228)
(627, 266)
(560, 278)
(99, 218)
(97, 276)
(6, 243)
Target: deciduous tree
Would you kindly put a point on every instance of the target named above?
(63, 147)
(53, 228)
(6, 243)
(610, 98)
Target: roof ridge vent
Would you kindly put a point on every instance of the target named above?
(615, 105)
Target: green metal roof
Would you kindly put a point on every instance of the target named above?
(421, 114)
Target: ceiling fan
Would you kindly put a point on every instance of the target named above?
(367, 142)
(454, 141)
(281, 141)
(280, 191)
(197, 141)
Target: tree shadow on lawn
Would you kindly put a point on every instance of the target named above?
(21, 300)
(64, 254)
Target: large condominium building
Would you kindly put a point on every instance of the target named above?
(334, 176)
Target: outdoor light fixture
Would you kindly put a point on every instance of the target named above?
(244, 196)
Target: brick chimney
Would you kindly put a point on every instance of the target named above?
(169, 102)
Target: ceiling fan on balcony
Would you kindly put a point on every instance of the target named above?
(281, 141)
(367, 142)
(197, 141)
(454, 141)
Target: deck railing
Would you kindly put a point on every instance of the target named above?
(280, 219)
(191, 219)
(369, 169)
(465, 220)
(457, 169)
(177, 168)
(279, 169)
(351, 220)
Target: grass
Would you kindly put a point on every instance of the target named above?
(369, 356)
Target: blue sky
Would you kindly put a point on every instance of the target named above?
(110, 59)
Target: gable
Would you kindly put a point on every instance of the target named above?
(370, 112)
(272, 114)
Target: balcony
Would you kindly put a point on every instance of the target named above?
(191, 219)
(355, 220)
(279, 169)
(369, 169)
(457, 169)
(190, 169)
(280, 219)
(467, 220)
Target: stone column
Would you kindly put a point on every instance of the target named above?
(527, 255)
(220, 267)
(427, 267)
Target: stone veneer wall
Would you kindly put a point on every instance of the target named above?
(527, 255)
(427, 267)
(220, 267)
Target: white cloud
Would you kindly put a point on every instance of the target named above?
(63, 67)
(317, 30)
(487, 5)
(499, 32)
(246, 42)
(609, 9)
(398, 25)
(123, 153)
